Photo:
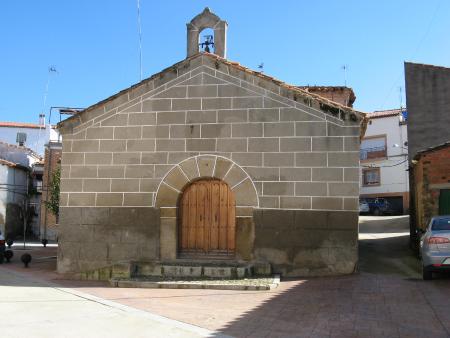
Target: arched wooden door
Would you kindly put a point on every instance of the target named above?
(207, 219)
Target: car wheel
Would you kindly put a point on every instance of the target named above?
(427, 274)
(376, 212)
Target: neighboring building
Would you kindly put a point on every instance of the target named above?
(211, 160)
(428, 105)
(30, 135)
(384, 159)
(52, 161)
(340, 94)
(431, 172)
(16, 163)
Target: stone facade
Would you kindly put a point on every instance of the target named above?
(290, 158)
(292, 164)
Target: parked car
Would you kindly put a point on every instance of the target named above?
(364, 207)
(379, 206)
(2, 247)
(435, 246)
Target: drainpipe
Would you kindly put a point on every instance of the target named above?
(46, 189)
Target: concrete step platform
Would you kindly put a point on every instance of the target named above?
(247, 284)
(199, 269)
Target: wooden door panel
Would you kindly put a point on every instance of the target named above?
(215, 196)
(223, 223)
(207, 218)
(190, 233)
(231, 222)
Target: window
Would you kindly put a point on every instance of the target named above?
(371, 177)
(373, 147)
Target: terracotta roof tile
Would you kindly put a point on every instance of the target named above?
(21, 125)
(8, 163)
(384, 113)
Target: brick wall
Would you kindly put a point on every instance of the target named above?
(431, 173)
(341, 95)
(52, 159)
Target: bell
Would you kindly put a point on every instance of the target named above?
(207, 48)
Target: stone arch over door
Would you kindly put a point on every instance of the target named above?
(201, 167)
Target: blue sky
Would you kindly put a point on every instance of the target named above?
(94, 45)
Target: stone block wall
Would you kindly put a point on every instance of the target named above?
(95, 237)
(117, 153)
(307, 242)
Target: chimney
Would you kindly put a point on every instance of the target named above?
(42, 120)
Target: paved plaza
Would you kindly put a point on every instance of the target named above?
(387, 298)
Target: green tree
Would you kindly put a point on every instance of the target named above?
(52, 203)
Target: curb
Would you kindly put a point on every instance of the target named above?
(123, 283)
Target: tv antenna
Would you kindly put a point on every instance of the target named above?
(51, 69)
(345, 68)
(209, 41)
(140, 38)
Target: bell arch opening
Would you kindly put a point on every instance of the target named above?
(206, 40)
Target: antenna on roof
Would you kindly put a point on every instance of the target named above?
(51, 69)
(400, 94)
(344, 68)
(140, 38)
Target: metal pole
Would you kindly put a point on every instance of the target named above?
(140, 38)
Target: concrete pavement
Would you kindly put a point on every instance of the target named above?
(384, 246)
(33, 308)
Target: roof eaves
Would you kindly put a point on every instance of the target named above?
(430, 149)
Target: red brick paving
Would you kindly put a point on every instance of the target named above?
(363, 305)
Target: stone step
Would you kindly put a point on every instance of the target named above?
(250, 284)
(213, 270)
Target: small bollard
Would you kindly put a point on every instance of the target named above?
(26, 259)
(44, 242)
(8, 255)
(9, 242)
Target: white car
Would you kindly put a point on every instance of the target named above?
(435, 246)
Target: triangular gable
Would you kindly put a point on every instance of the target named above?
(204, 69)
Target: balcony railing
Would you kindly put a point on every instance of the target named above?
(372, 153)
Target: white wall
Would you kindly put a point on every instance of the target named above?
(36, 138)
(13, 187)
(393, 174)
